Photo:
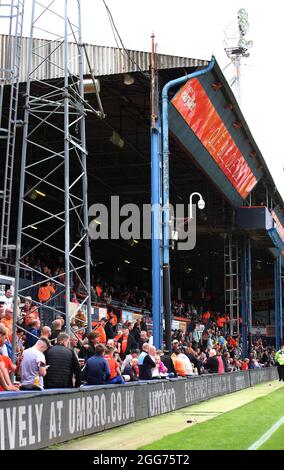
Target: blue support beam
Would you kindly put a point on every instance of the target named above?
(156, 211)
(156, 234)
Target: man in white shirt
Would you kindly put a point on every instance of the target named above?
(33, 367)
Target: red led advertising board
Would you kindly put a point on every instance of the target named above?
(194, 105)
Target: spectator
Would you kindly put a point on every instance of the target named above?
(131, 369)
(134, 354)
(89, 349)
(96, 371)
(168, 362)
(2, 307)
(46, 332)
(212, 363)
(150, 337)
(179, 363)
(143, 325)
(115, 374)
(29, 308)
(127, 342)
(33, 331)
(33, 367)
(7, 320)
(101, 330)
(245, 364)
(146, 363)
(6, 365)
(56, 329)
(109, 329)
(143, 339)
(63, 365)
(46, 291)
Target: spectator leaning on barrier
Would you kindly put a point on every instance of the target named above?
(132, 370)
(96, 370)
(146, 363)
(33, 367)
(6, 365)
(212, 363)
(63, 365)
(168, 362)
(115, 374)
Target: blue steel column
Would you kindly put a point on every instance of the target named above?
(244, 299)
(156, 234)
(156, 201)
(276, 294)
(166, 187)
(280, 302)
(249, 294)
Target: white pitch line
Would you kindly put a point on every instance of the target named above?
(267, 435)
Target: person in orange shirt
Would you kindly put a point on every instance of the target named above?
(232, 342)
(221, 320)
(178, 363)
(245, 364)
(112, 318)
(101, 330)
(205, 317)
(45, 292)
(6, 365)
(115, 374)
(7, 321)
(99, 291)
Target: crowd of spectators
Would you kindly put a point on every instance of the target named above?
(114, 352)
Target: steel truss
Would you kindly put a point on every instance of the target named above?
(232, 281)
(11, 17)
(54, 175)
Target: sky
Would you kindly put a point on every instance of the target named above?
(196, 29)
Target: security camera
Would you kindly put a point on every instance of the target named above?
(201, 204)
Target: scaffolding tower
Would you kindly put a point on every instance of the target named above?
(232, 282)
(53, 197)
(11, 17)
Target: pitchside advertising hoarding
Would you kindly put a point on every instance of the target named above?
(39, 419)
(199, 113)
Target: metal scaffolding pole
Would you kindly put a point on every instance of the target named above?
(53, 200)
(249, 294)
(244, 298)
(11, 15)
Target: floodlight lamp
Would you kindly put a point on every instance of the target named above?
(245, 44)
(117, 140)
(243, 26)
(242, 13)
(128, 79)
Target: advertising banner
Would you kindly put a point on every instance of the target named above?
(37, 420)
(194, 105)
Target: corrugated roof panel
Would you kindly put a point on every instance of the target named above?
(104, 60)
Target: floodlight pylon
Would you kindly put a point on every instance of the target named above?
(11, 17)
(53, 195)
